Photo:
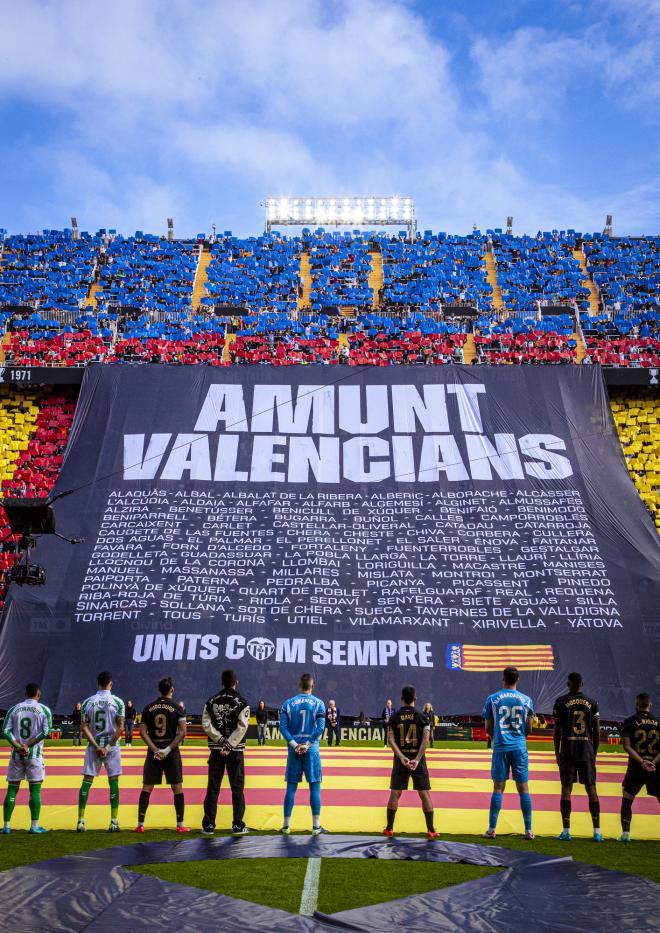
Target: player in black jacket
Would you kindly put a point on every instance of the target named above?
(162, 728)
(641, 741)
(225, 721)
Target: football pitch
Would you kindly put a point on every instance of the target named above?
(354, 797)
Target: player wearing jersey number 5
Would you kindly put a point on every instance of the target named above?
(302, 723)
(508, 716)
(103, 721)
(162, 729)
(25, 727)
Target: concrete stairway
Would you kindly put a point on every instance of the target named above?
(305, 300)
(469, 349)
(376, 276)
(588, 282)
(201, 277)
(229, 339)
(491, 275)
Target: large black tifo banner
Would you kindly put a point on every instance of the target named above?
(422, 525)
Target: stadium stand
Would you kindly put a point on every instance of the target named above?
(637, 418)
(49, 271)
(258, 274)
(67, 302)
(513, 340)
(34, 429)
(534, 271)
(340, 268)
(437, 269)
(147, 272)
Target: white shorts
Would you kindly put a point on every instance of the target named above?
(32, 770)
(94, 762)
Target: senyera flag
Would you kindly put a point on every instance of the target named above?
(485, 658)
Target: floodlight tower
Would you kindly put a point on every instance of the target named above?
(341, 212)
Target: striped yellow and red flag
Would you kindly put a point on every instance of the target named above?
(497, 657)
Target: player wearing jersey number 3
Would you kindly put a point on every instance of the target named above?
(508, 716)
(103, 721)
(25, 727)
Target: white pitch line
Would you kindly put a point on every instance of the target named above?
(310, 891)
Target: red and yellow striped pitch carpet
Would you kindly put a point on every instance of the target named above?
(355, 782)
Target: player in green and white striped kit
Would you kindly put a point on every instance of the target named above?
(25, 727)
(103, 721)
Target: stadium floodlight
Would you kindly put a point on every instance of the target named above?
(608, 231)
(170, 229)
(341, 212)
(75, 232)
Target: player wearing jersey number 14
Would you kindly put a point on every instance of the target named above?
(508, 717)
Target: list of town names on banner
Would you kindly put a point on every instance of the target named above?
(359, 565)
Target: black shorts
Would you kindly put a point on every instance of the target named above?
(171, 767)
(401, 776)
(636, 778)
(574, 769)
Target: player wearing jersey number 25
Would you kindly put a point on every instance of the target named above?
(508, 717)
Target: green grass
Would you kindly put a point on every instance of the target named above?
(344, 884)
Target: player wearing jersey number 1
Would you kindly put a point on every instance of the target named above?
(103, 721)
(641, 742)
(577, 733)
(302, 723)
(25, 727)
(508, 716)
(162, 729)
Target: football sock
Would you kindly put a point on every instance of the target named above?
(391, 816)
(143, 805)
(626, 814)
(289, 799)
(495, 807)
(428, 816)
(82, 797)
(565, 808)
(114, 797)
(526, 807)
(10, 802)
(594, 809)
(35, 802)
(179, 807)
(315, 803)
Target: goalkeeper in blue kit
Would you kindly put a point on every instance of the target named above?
(302, 723)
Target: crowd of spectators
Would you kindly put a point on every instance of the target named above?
(256, 274)
(515, 340)
(381, 340)
(340, 266)
(436, 269)
(277, 338)
(147, 272)
(540, 270)
(626, 272)
(49, 271)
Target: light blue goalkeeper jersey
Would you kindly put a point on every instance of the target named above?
(302, 719)
(509, 709)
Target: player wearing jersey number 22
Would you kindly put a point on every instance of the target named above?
(508, 717)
